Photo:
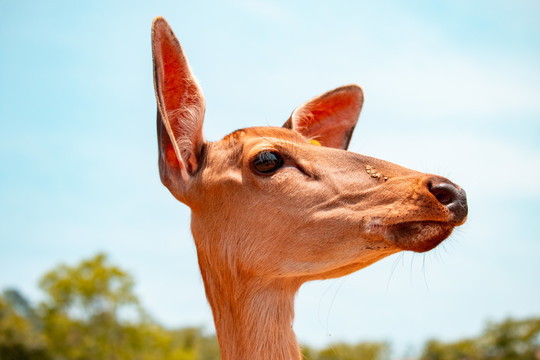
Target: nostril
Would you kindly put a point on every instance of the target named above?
(445, 193)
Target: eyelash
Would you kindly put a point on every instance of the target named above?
(267, 162)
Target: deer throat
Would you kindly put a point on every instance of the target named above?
(253, 316)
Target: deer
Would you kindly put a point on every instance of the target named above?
(275, 207)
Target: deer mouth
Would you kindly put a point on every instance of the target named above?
(417, 236)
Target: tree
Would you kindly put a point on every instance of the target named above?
(19, 339)
(360, 351)
(80, 314)
(511, 340)
(92, 288)
(460, 350)
(84, 317)
(508, 340)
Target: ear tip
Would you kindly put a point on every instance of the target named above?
(355, 88)
(162, 31)
(159, 24)
(158, 20)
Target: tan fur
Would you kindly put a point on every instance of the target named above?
(325, 213)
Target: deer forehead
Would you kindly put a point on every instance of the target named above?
(254, 135)
(243, 143)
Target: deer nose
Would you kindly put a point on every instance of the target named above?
(451, 196)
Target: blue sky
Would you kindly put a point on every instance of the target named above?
(452, 87)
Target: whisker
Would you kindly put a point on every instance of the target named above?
(400, 256)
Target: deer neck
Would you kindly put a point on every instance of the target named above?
(253, 315)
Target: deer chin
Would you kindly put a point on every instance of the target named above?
(417, 236)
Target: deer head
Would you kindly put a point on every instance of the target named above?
(274, 207)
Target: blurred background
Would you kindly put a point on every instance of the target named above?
(451, 88)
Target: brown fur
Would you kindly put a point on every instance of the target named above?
(325, 213)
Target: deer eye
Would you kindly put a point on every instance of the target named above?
(267, 162)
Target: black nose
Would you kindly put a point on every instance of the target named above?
(451, 196)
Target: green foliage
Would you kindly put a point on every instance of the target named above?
(92, 288)
(308, 353)
(18, 337)
(436, 350)
(82, 318)
(361, 351)
(509, 340)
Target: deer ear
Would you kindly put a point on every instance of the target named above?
(329, 118)
(180, 103)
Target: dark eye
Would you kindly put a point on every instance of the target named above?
(267, 162)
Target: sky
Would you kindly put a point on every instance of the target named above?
(451, 88)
